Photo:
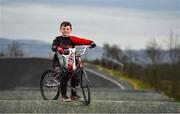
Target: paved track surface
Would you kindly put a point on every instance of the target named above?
(19, 92)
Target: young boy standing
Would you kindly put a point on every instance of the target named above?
(67, 41)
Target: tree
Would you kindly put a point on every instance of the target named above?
(154, 51)
(113, 52)
(130, 56)
(14, 49)
(106, 48)
(174, 48)
(2, 54)
(112, 56)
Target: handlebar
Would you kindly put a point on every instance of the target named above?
(79, 52)
(82, 50)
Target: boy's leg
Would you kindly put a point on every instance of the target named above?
(64, 84)
(74, 83)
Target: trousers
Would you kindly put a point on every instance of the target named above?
(64, 80)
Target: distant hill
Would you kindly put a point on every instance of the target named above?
(31, 48)
(36, 48)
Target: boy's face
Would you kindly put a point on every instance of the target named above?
(65, 30)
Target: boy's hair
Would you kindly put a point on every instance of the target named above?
(65, 23)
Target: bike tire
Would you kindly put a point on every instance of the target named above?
(85, 85)
(55, 92)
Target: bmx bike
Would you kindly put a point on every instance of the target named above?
(50, 79)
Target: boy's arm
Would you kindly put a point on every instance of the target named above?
(54, 45)
(80, 41)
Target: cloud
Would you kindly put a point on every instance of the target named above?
(130, 4)
(123, 25)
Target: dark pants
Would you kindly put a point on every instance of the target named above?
(74, 83)
(64, 79)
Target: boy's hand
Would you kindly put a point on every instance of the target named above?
(60, 50)
(92, 45)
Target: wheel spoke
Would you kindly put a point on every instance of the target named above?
(49, 85)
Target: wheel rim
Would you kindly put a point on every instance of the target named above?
(49, 87)
(85, 84)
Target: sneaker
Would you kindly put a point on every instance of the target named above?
(76, 97)
(65, 99)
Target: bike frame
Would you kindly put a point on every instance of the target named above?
(77, 55)
(80, 62)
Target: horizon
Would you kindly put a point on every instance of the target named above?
(126, 23)
(44, 42)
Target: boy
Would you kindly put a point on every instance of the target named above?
(67, 41)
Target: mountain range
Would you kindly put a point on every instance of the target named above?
(36, 48)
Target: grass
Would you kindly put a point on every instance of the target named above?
(137, 85)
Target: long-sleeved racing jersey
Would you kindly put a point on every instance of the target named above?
(69, 42)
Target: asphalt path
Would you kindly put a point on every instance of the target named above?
(19, 92)
(26, 72)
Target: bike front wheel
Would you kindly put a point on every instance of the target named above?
(85, 85)
(49, 85)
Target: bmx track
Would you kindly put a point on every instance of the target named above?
(19, 92)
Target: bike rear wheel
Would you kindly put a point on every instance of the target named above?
(85, 85)
(49, 85)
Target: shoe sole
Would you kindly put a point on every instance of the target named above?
(77, 99)
(66, 100)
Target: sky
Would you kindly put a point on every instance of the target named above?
(126, 23)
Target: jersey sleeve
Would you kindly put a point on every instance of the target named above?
(80, 41)
(54, 45)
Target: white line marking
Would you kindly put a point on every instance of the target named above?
(110, 101)
(105, 77)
